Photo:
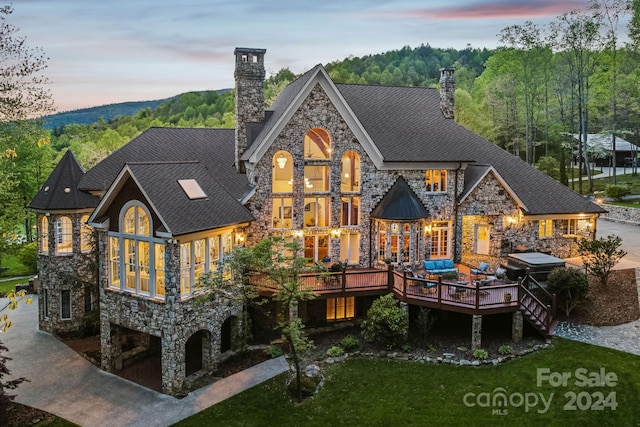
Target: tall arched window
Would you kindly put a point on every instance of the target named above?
(85, 234)
(64, 236)
(44, 235)
(282, 172)
(350, 172)
(317, 144)
(135, 257)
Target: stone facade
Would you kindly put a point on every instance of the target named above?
(622, 214)
(73, 274)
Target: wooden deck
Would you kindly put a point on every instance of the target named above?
(463, 297)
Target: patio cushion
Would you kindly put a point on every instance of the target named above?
(429, 265)
(439, 265)
(448, 263)
(483, 266)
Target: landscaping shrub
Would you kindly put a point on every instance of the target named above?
(569, 285)
(386, 322)
(505, 349)
(617, 191)
(350, 344)
(335, 351)
(273, 351)
(480, 354)
(28, 257)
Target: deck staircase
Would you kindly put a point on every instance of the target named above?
(537, 305)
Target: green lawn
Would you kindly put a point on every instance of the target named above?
(389, 393)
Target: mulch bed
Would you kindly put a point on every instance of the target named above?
(613, 304)
(18, 415)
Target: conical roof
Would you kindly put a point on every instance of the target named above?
(60, 190)
(400, 204)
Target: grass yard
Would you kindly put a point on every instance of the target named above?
(362, 392)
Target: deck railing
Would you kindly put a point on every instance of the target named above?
(537, 302)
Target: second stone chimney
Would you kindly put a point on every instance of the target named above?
(249, 76)
(447, 91)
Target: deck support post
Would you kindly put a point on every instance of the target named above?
(516, 326)
(476, 332)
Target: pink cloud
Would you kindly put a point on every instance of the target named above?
(505, 9)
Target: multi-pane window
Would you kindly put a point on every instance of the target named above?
(65, 304)
(436, 180)
(158, 263)
(45, 303)
(199, 261)
(349, 210)
(185, 268)
(214, 253)
(570, 227)
(350, 172)
(282, 173)
(85, 234)
(64, 236)
(545, 228)
(44, 235)
(202, 256)
(114, 261)
(316, 178)
(340, 308)
(440, 240)
(316, 212)
(282, 212)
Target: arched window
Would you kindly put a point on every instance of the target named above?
(44, 235)
(350, 172)
(317, 144)
(282, 172)
(85, 234)
(64, 236)
(136, 260)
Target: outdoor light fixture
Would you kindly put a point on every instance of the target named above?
(335, 232)
(427, 229)
(298, 233)
(282, 161)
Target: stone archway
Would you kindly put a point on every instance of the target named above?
(197, 352)
(226, 334)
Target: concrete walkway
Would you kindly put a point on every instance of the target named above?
(65, 384)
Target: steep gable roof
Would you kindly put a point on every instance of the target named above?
(60, 190)
(213, 148)
(179, 213)
(400, 204)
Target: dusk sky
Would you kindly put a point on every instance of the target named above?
(133, 50)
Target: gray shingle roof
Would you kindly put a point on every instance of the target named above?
(159, 181)
(400, 204)
(60, 190)
(213, 148)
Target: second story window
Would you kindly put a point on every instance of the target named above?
(317, 145)
(282, 172)
(436, 180)
(64, 236)
(44, 235)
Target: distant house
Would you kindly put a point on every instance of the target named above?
(625, 153)
(365, 174)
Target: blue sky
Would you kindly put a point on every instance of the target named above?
(131, 50)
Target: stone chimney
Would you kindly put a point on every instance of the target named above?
(249, 75)
(447, 91)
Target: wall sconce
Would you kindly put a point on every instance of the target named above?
(282, 161)
(427, 229)
(298, 233)
(335, 232)
(239, 238)
(511, 221)
(589, 224)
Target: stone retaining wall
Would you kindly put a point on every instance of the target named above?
(622, 214)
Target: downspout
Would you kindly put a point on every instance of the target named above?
(455, 213)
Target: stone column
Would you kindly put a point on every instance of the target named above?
(111, 345)
(476, 332)
(516, 327)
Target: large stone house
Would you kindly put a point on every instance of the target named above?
(358, 173)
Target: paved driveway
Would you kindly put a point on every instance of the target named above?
(630, 240)
(65, 384)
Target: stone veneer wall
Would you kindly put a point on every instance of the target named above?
(622, 214)
(318, 111)
(73, 272)
(173, 320)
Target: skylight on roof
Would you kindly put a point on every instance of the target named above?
(192, 189)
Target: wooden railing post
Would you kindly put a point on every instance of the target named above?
(390, 277)
(404, 284)
(477, 294)
(344, 280)
(439, 290)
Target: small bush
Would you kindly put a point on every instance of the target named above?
(617, 191)
(569, 285)
(28, 256)
(273, 351)
(350, 344)
(505, 349)
(386, 322)
(480, 354)
(335, 351)
(90, 324)
(307, 387)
